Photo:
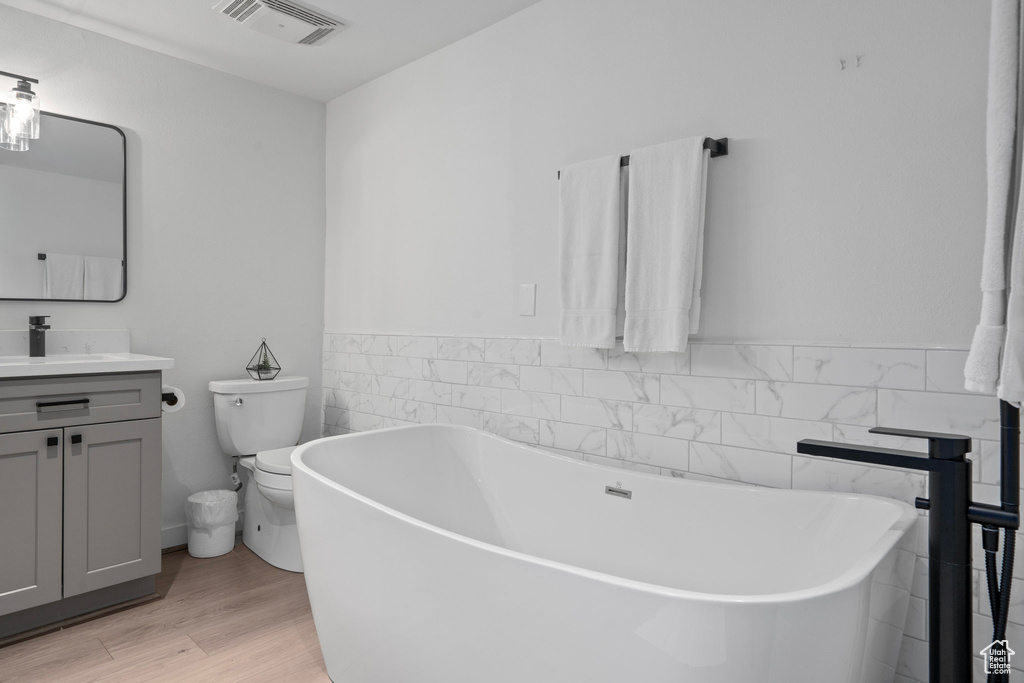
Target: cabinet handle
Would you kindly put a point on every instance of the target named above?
(52, 441)
(74, 404)
(76, 438)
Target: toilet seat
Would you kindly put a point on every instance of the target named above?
(281, 482)
(276, 461)
(274, 468)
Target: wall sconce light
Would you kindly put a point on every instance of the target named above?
(19, 114)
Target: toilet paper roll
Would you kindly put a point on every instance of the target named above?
(179, 399)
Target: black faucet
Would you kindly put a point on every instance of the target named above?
(951, 513)
(37, 335)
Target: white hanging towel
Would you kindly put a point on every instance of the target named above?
(982, 369)
(103, 278)
(63, 276)
(665, 244)
(590, 227)
(1011, 376)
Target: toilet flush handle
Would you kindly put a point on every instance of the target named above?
(236, 402)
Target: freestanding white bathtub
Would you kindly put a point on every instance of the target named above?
(441, 554)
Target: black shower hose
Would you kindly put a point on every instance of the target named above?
(999, 591)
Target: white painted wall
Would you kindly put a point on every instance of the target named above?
(225, 225)
(73, 216)
(850, 208)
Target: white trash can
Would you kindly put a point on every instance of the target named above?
(211, 519)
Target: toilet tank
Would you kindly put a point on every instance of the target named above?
(258, 415)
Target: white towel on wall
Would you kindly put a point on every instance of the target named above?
(590, 227)
(665, 244)
(1011, 375)
(103, 278)
(982, 371)
(63, 276)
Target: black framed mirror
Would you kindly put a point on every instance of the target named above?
(63, 214)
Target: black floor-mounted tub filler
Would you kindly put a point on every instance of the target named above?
(950, 515)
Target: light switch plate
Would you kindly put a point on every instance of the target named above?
(527, 299)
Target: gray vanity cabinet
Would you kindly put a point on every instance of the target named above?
(111, 504)
(30, 520)
(79, 500)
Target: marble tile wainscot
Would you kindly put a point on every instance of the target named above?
(719, 412)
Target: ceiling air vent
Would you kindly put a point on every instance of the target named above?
(283, 19)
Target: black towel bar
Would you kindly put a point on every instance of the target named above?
(719, 148)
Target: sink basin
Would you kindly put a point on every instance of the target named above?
(60, 358)
(80, 364)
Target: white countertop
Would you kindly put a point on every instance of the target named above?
(80, 364)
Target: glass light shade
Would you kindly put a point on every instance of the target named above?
(8, 141)
(22, 116)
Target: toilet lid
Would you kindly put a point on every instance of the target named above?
(277, 461)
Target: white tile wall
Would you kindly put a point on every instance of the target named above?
(598, 412)
(742, 361)
(837, 404)
(450, 371)
(692, 424)
(622, 386)
(891, 368)
(476, 398)
(417, 347)
(567, 381)
(531, 404)
(720, 412)
(493, 375)
(461, 348)
(777, 434)
(572, 437)
(712, 393)
(517, 351)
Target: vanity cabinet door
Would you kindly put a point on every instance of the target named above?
(111, 504)
(30, 519)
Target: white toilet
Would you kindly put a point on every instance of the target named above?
(261, 420)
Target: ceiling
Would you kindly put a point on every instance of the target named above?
(380, 36)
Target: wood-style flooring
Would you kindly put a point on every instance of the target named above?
(227, 618)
